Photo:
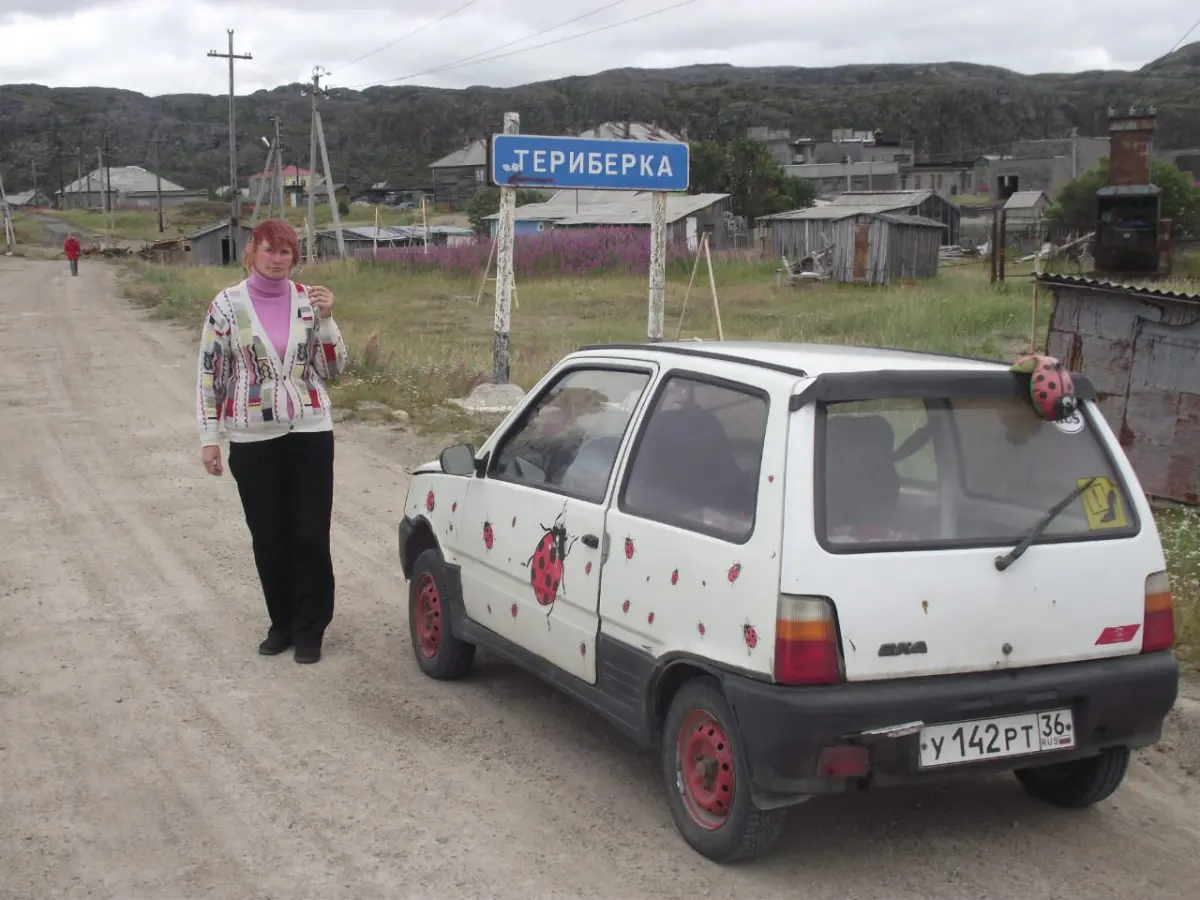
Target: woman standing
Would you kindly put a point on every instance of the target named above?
(268, 346)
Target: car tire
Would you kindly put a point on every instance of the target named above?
(1078, 783)
(706, 779)
(439, 653)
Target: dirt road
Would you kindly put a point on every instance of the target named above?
(147, 751)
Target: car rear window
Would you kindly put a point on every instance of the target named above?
(961, 472)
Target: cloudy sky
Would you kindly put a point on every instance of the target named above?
(160, 46)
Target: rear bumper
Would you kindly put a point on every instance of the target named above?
(1115, 702)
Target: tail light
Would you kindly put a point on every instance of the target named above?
(806, 644)
(1158, 621)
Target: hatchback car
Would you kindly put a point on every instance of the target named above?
(796, 570)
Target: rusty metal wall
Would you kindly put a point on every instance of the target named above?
(1140, 351)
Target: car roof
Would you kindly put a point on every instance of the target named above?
(808, 359)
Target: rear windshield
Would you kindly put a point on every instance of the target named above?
(961, 472)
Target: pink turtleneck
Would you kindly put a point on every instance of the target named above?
(272, 299)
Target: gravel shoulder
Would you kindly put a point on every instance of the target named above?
(147, 751)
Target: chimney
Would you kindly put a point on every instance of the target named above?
(1131, 132)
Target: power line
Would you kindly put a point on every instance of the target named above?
(1175, 46)
(528, 37)
(571, 37)
(415, 31)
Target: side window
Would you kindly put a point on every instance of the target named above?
(698, 460)
(568, 440)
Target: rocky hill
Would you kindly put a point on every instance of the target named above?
(395, 132)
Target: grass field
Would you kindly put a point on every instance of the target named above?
(418, 340)
(138, 226)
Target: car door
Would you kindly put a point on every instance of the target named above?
(530, 550)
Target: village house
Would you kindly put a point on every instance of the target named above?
(858, 244)
(207, 246)
(32, 199)
(948, 178)
(321, 193)
(131, 187)
(927, 204)
(688, 215)
(458, 175)
(295, 182)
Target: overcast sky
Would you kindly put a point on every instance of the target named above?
(160, 46)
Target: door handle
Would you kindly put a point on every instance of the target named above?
(591, 540)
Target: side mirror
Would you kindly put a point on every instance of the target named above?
(458, 460)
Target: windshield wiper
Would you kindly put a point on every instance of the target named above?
(1003, 562)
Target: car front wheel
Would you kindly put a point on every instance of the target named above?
(1078, 783)
(439, 653)
(706, 778)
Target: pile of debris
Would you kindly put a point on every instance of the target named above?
(811, 269)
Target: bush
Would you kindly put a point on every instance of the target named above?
(594, 251)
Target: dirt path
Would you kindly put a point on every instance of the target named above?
(147, 751)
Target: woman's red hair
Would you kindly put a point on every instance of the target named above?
(275, 232)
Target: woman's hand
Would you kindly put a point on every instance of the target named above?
(322, 299)
(211, 456)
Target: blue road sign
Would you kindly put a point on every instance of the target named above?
(542, 161)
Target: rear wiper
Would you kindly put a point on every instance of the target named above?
(1003, 562)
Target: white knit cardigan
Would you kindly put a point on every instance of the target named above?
(243, 385)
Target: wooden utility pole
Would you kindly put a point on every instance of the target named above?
(317, 138)
(504, 268)
(279, 167)
(262, 185)
(235, 206)
(158, 184)
(79, 176)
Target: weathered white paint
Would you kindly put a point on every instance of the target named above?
(504, 268)
(658, 266)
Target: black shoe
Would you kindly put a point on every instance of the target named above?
(308, 654)
(275, 643)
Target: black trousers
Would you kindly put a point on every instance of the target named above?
(286, 486)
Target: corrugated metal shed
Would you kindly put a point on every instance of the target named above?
(1026, 200)
(1139, 346)
(882, 200)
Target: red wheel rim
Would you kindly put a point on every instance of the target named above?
(704, 772)
(429, 616)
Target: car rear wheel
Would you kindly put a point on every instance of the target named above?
(439, 653)
(706, 778)
(1078, 783)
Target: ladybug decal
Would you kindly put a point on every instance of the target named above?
(629, 548)
(583, 649)
(587, 570)
(650, 619)
(514, 610)
(489, 536)
(429, 502)
(546, 564)
(675, 577)
(750, 636)
(734, 571)
(625, 607)
(1051, 387)
(700, 628)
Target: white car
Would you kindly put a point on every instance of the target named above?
(806, 569)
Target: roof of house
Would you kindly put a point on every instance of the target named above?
(882, 201)
(216, 226)
(815, 359)
(1024, 199)
(610, 208)
(474, 154)
(288, 172)
(1114, 286)
(22, 198)
(834, 213)
(638, 131)
(126, 180)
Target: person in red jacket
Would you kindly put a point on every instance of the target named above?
(72, 249)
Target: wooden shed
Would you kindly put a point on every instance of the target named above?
(927, 204)
(867, 247)
(1138, 346)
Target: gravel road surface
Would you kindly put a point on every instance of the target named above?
(147, 751)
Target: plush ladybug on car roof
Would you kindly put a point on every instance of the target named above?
(1050, 386)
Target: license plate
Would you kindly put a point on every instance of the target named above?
(979, 739)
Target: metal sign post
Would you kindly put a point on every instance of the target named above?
(569, 163)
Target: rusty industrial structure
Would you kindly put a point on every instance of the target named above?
(1132, 238)
(1138, 346)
